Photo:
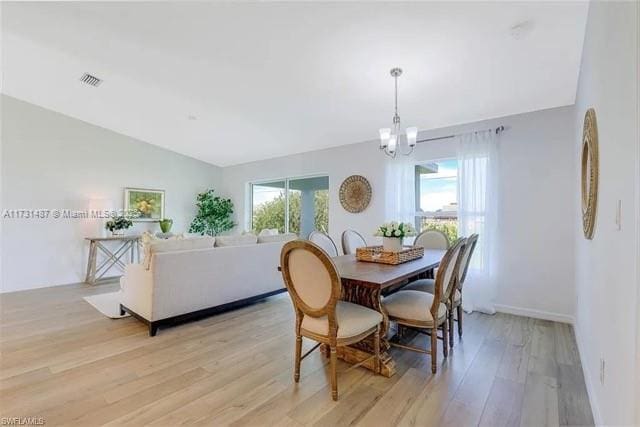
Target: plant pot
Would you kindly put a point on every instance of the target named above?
(392, 244)
(166, 224)
(118, 232)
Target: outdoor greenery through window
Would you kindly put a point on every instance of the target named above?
(295, 205)
(437, 197)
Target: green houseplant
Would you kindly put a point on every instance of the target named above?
(214, 214)
(118, 224)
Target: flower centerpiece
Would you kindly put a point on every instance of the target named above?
(393, 233)
(117, 225)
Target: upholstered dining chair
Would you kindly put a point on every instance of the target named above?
(427, 312)
(315, 287)
(432, 239)
(325, 242)
(351, 240)
(455, 303)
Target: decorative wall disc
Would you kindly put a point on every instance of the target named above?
(355, 193)
(590, 171)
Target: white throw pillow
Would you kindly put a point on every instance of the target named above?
(269, 232)
(245, 239)
(277, 238)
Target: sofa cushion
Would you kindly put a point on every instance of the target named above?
(269, 232)
(277, 238)
(177, 244)
(245, 239)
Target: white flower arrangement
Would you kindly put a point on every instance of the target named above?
(395, 229)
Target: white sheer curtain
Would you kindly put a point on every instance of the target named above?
(400, 189)
(477, 213)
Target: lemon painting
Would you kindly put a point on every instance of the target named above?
(145, 205)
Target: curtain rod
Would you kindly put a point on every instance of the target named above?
(497, 130)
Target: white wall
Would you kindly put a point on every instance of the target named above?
(56, 162)
(537, 210)
(606, 267)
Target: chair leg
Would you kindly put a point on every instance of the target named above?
(451, 321)
(296, 375)
(434, 349)
(334, 374)
(459, 308)
(376, 349)
(445, 336)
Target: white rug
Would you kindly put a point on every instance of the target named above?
(107, 304)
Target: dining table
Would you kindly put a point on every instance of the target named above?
(364, 283)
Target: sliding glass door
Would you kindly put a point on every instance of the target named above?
(269, 206)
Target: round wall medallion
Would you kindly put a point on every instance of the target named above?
(355, 193)
(589, 166)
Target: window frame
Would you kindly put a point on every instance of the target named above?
(418, 217)
(250, 184)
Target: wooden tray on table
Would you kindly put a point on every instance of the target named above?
(379, 255)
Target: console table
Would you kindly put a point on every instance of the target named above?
(128, 245)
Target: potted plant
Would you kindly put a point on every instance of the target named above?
(214, 214)
(166, 224)
(393, 233)
(118, 225)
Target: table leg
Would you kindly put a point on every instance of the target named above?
(91, 264)
(368, 296)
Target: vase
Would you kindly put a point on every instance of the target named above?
(165, 225)
(392, 244)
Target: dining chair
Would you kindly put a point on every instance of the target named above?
(325, 242)
(455, 303)
(432, 239)
(425, 312)
(351, 240)
(314, 286)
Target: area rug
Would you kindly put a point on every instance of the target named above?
(107, 304)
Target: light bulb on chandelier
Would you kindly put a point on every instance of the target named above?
(391, 141)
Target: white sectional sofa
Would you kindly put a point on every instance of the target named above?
(174, 284)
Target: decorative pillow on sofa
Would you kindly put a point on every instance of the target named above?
(277, 238)
(244, 239)
(269, 232)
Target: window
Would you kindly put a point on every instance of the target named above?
(292, 205)
(437, 197)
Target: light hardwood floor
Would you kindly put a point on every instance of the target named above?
(63, 361)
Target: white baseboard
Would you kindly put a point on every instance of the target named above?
(595, 409)
(536, 314)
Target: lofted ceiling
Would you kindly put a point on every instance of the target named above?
(229, 83)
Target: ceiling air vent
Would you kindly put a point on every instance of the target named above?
(90, 80)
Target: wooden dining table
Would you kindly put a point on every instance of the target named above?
(364, 283)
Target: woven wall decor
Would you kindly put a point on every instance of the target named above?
(355, 193)
(590, 171)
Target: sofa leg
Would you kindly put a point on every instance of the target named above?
(153, 329)
(122, 312)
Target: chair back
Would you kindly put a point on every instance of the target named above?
(312, 280)
(466, 259)
(432, 239)
(351, 240)
(447, 276)
(325, 242)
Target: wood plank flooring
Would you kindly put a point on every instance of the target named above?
(63, 361)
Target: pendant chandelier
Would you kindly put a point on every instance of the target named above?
(391, 140)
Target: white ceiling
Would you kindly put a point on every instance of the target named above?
(270, 79)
